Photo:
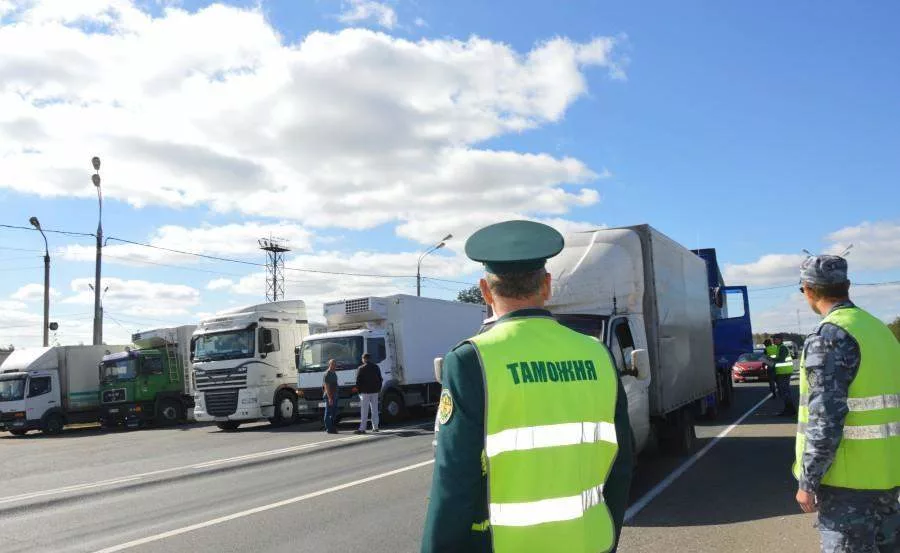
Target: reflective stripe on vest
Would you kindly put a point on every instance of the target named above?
(550, 437)
(772, 351)
(785, 367)
(866, 458)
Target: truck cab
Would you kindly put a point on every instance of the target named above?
(244, 366)
(346, 347)
(25, 397)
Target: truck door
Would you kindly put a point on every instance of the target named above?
(621, 344)
(42, 396)
(377, 348)
(732, 333)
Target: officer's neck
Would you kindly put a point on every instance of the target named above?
(502, 306)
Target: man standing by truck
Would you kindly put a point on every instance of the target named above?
(368, 382)
(848, 438)
(524, 395)
(330, 389)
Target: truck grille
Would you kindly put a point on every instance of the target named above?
(220, 380)
(113, 396)
(221, 403)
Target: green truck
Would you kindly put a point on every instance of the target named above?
(150, 382)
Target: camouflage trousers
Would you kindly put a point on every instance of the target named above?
(852, 521)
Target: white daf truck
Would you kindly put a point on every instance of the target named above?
(243, 363)
(48, 388)
(646, 297)
(402, 333)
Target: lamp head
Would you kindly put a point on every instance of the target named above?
(35, 223)
(95, 161)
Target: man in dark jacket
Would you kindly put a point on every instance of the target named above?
(368, 382)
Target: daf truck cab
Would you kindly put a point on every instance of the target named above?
(243, 363)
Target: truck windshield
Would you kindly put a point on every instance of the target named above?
(234, 344)
(592, 325)
(120, 369)
(314, 354)
(12, 389)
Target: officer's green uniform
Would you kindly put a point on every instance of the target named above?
(458, 517)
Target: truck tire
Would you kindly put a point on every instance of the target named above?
(680, 435)
(285, 408)
(393, 407)
(729, 393)
(53, 424)
(18, 432)
(169, 412)
(228, 426)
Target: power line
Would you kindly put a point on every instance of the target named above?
(54, 231)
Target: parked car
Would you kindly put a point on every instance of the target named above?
(750, 365)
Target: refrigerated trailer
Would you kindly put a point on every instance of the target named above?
(402, 333)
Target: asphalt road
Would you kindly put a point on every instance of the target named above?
(195, 488)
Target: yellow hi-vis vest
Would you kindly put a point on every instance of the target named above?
(786, 367)
(772, 351)
(550, 437)
(868, 457)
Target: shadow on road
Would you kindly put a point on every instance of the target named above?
(740, 479)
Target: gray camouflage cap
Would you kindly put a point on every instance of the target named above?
(824, 270)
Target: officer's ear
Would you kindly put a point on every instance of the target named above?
(486, 292)
(546, 288)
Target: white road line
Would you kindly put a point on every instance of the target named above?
(195, 466)
(261, 509)
(639, 505)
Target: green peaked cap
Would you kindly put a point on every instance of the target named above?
(514, 246)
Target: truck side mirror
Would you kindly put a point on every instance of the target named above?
(640, 362)
(438, 368)
(265, 341)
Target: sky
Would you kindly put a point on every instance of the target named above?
(362, 132)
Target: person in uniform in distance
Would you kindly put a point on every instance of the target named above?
(534, 451)
(783, 368)
(848, 437)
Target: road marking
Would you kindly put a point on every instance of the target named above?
(676, 474)
(261, 509)
(197, 466)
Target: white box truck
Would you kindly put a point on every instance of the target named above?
(243, 362)
(402, 333)
(646, 297)
(48, 388)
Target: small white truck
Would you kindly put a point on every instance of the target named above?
(646, 297)
(243, 363)
(48, 388)
(402, 333)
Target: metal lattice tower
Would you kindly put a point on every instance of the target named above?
(274, 248)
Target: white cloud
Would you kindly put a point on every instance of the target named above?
(875, 245)
(138, 298)
(349, 129)
(33, 292)
(771, 269)
(419, 22)
(234, 240)
(360, 11)
(12, 306)
(882, 301)
(220, 284)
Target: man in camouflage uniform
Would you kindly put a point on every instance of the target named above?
(850, 520)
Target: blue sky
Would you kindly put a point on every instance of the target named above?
(759, 129)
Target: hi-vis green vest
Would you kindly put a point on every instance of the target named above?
(772, 351)
(868, 457)
(550, 437)
(786, 367)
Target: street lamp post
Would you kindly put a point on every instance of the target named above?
(36, 224)
(434, 248)
(98, 316)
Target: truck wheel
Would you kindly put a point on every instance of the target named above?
(168, 412)
(285, 408)
(53, 424)
(393, 406)
(729, 394)
(228, 426)
(18, 432)
(680, 435)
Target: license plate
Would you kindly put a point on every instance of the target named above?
(354, 404)
(114, 410)
(321, 405)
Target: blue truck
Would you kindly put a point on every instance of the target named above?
(732, 332)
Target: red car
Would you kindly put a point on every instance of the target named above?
(750, 365)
